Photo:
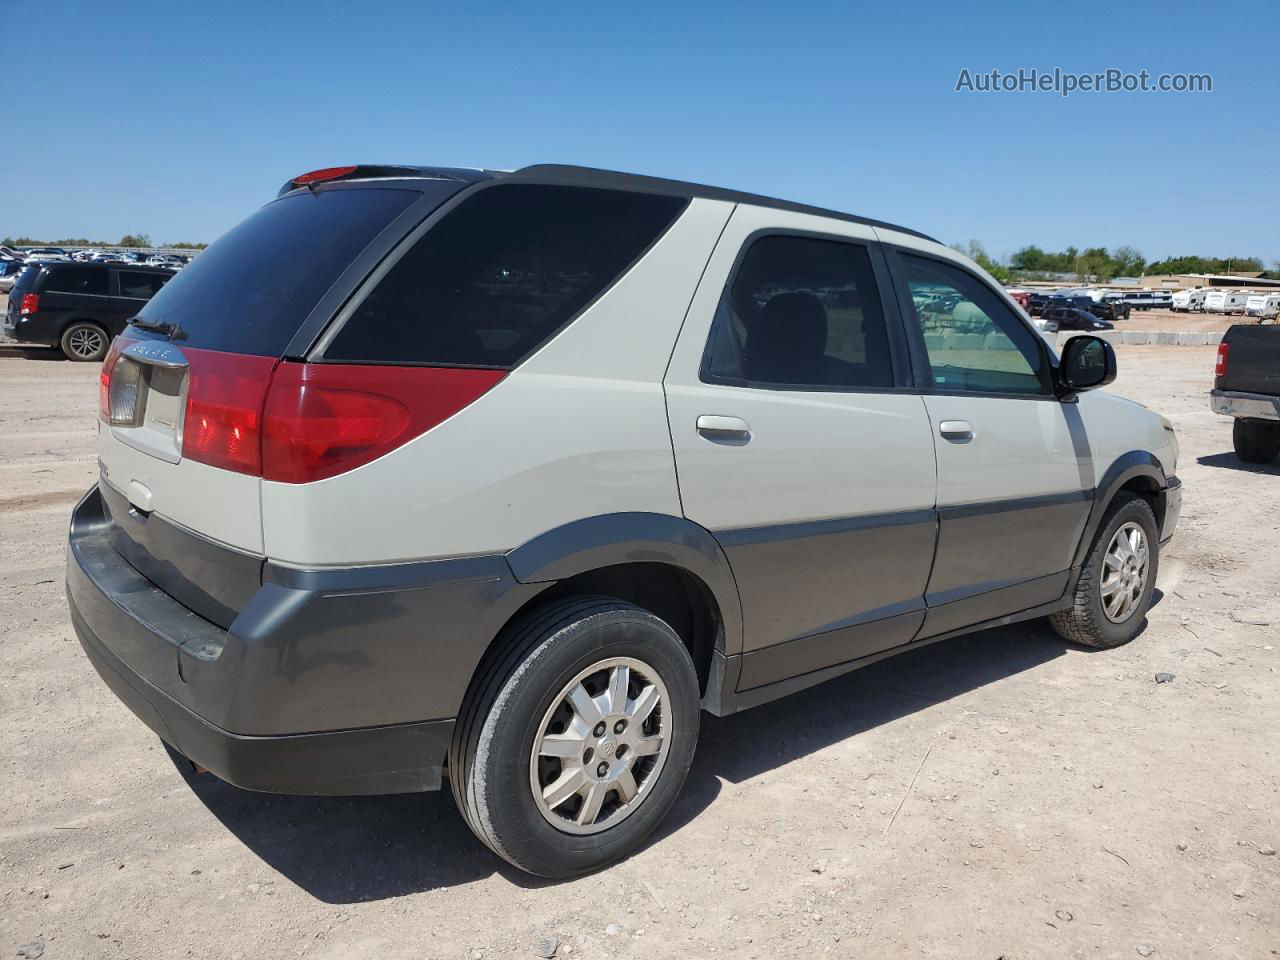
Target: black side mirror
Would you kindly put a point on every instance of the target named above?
(1087, 363)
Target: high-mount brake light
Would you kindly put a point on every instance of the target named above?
(1220, 368)
(328, 173)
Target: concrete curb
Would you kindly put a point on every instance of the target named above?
(1147, 337)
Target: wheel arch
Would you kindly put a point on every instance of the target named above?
(666, 564)
(1138, 471)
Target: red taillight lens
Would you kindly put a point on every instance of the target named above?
(225, 395)
(30, 304)
(104, 377)
(1220, 368)
(325, 419)
(328, 173)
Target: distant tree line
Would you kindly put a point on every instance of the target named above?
(1103, 264)
(128, 240)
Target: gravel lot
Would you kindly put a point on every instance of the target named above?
(1000, 795)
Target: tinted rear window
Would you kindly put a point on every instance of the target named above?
(501, 274)
(252, 289)
(26, 279)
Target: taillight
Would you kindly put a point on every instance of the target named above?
(1220, 368)
(325, 419)
(30, 304)
(223, 422)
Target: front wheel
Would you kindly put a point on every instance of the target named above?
(1114, 590)
(85, 342)
(576, 742)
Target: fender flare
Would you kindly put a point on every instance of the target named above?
(1135, 463)
(616, 538)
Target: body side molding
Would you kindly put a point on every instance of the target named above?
(616, 538)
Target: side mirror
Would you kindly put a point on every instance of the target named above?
(1087, 363)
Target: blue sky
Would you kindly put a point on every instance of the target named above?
(178, 119)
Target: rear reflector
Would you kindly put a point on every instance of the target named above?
(1220, 368)
(325, 419)
(328, 173)
(30, 304)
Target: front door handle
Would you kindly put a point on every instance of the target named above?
(724, 429)
(958, 431)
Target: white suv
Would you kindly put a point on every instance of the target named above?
(505, 477)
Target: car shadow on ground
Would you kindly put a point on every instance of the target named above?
(10, 349)
(1229, 461)
(344, 850)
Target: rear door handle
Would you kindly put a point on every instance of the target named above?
(957, 430)
(724, 429)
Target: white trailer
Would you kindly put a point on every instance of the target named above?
(1189, 300)
(1264, 306)
(1226, 301)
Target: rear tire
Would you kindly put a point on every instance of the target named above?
(617, 745)
(1112, 596)
(85, 342)
(1256, 441)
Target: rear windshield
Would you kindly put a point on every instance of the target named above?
(498, 276)
(26, 279)
(252, 289)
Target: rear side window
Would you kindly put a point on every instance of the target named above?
(801, 312)
(498, 276)
(89, 281)
(251, 290)
(140, 286)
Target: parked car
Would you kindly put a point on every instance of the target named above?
(1073, 318)
(78, 307)
(526, 469)
(1109, 309)
(47, 252)
(9, 270)
(1246, 386)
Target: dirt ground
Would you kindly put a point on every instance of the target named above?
(1000, 795)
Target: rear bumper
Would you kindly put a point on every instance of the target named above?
(31, 330)
(341, 763)
(1252, 406)
(326, 682)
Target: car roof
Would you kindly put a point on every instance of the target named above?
(569, 175)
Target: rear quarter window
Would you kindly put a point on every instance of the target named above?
(500, 274)
(87, 281)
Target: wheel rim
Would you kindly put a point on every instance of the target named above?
(86, 342)
(601, 746)
(1125, 567)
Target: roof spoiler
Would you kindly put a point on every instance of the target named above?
(366, 171)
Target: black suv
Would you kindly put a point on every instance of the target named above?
(1110, 309)
(79, 307)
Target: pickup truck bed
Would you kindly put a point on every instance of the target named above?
(1247, 386)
